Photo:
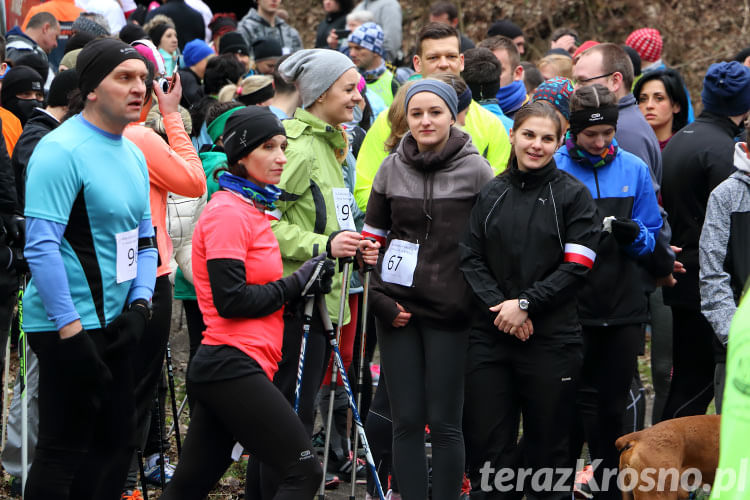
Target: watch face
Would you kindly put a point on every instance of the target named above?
(523, 304)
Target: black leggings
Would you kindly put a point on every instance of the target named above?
(610, 357)
(425, 369)
(379, 429)
(692, 387)
(252, 411)
(86, 434)
(507, 378)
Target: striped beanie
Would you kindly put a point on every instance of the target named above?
(647, 42)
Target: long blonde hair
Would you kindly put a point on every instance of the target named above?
(397, 117)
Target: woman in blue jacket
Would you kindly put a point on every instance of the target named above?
(613, 304)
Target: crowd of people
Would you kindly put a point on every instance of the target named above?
(521, 230)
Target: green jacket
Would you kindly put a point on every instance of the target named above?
(384, 87)
(212, 160)
(306, 211)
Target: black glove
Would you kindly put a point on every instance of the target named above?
(315, 275)
(625, 230)
(83, 366)
(13, 226)
(12, 259)
(126, 330)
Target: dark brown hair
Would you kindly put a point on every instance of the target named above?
(503, 42)
(615, 60)
(436, 31)
(592, 97)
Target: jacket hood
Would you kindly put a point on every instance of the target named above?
(741, 161)
(17, 32)
(458, 146)
(253, 14)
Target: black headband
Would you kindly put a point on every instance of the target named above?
(260, 95)
(589, 117)
(464, 100)
(247, 129)
(98, 58)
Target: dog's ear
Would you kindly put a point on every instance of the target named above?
(624, 443)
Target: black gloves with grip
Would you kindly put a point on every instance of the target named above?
(126, 330)
(13, 230)
(315, 276)
(625, 230)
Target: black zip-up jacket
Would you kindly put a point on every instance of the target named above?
(533, 234)
(40, 124)
(696, 160)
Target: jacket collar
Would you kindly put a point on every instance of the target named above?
(305, 122)
(433, 160)
(532, 178)
(723, 122)
(627, 101)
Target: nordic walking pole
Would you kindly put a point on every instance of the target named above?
(6, 394)
(307, 319)
(179, 412)
(143, 474)
(346, 263)
(162, 465)
(328, 327)
(360, 375)
(175, 414)
(22, 374)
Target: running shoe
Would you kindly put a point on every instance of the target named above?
(132, 495)
(15, 486)
(581, 487)
(345, 469)
(153, 471)
(332, 481)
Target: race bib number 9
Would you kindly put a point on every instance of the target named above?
(399, 262)
(127, 255)
(342, 199)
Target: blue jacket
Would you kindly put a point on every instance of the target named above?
(615, 292)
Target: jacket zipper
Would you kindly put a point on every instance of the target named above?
(596, 179)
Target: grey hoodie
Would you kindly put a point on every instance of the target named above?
(724, 248)
(253, 27)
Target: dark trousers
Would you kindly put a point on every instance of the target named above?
(610, 358)
(86, 429)
(195, 328)
(692, 387)
(317, 353)
(252, 411)
(379, 429)
(507, 379)
(425, 367)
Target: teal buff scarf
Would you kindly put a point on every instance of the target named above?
(372, 75)
(266, 196)
(582, 156)
(512, 96)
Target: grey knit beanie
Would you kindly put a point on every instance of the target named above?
(314, 71)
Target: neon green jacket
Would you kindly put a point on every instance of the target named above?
(486, 130)
(735, 418)
(383, 86)
(306, 212)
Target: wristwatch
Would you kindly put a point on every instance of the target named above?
(523, 303)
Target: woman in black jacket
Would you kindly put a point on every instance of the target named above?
(531, 240)
(336, 12)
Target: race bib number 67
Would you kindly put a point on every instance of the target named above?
(399, 262)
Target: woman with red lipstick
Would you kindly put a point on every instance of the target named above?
(531, 241)
(420, 200)
(662, 100)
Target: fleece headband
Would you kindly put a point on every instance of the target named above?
(98, 58)
(440, 89)
(585, 118)
(247, 129)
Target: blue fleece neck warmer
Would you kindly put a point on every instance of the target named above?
(266, 196)
(511, 97)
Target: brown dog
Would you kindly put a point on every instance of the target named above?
(678, 444)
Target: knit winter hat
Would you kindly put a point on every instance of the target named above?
(584, 47)
(84, 24)
(195, 51)
(266, 48)
(69, 59)
(157, 32)
(233, 43)
(247, 129)
(726, 89)
(369, 36)
(131, 32)
(98, 59)
(440, 89)
(556, 91)
(314, 71)
(20, 79)
(647, 42)
(64, 83)
(505, 27)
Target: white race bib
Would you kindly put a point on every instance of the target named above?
(342, 199)
(399, 262)
(127, 255)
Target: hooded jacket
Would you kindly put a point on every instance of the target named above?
(253, 27)
(724, 248)
(615, 292)
(531, 234)
(40, 124)
(306, 212)
(20, 44)
(696, 160)
(425, 199)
